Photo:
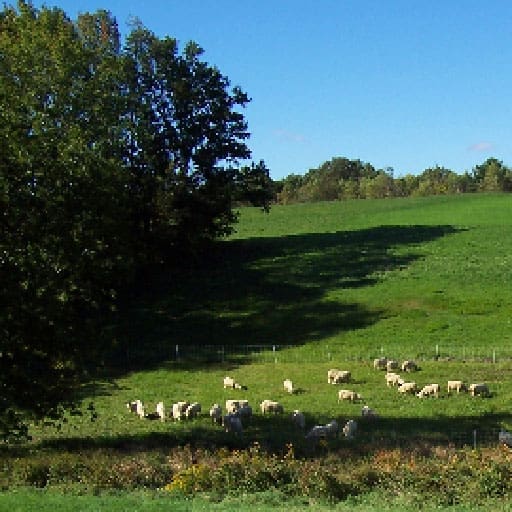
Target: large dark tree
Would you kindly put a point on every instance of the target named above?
(62, 207)
(111, 158)
(182, 122)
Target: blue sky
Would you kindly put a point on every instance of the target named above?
(406, 84)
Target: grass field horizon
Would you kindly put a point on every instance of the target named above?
(330, 285)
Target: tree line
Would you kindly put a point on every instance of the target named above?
(341, 178)
(115, 157)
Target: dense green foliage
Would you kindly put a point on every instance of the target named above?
(109, 167)
(341, 178)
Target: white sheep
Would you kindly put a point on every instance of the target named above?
(429, 390)
(350, 428)
(323, 431)
(299, 419)
(288, 386)
(456, 385)
(192, 410)
(346, 394)
(368, 413)
(216, 413)
(270, 406)
(408, 387)
(140, 409)
(479, 389)
(232, 423)
(380, 363)
(409, 366)
(393, 379)
(233, 405)
(132, 406)
(160, 411)
(229, 382)
(330, 375)
(317, 432)
(338, 376)
(343, 376)
(178, 410)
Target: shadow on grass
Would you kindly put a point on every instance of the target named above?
(262, 291)
(274, 433)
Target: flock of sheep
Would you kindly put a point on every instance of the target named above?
(238, 411)
(394, 379)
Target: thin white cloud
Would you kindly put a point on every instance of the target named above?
(481, 147)
(288, 136)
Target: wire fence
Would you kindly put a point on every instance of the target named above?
(266, 353)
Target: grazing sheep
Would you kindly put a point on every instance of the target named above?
(288, 386)
(409, 366)
(216, 413)
(408, 387)
(330, 375)
(505, 438)
(338, 376)
(160, 410)
(299, 419)
(269, 406)
(393, 379)
(178, 410)
(343, 376)
(429, 390)
(323, 431)
(479, 389)
(192, 410)
(380, 363)
(456, 385)
(346, 394)
(232, 423)
(233, 405)
(317, 432)
(140, 409)
(133, 406)
(368, 413)
(392, 365)
(229, 382)
(350, 428)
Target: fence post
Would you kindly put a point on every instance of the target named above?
(494, 356)
(474, 439)
(177, 353)
(437, 350)
(274, 352)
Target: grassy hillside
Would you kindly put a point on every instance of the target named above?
(329, 285)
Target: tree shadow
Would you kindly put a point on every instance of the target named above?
(274, 432)
(261, 291)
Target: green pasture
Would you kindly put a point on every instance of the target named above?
(303, 289)
(328, 285)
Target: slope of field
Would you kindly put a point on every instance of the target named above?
(307, 288)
